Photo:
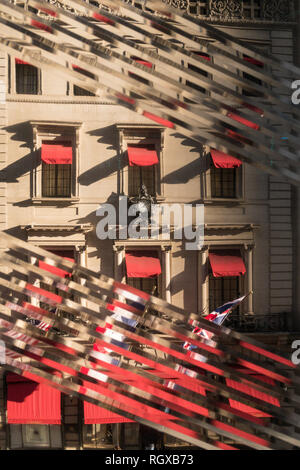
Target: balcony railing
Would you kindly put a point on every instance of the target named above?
(281, 11)
(241, 10)
(258, 323)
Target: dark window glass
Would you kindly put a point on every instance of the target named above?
(222, 290)
(26, 79)
(146, 284)
(223, 182)
(78, 91)
(56, 180)
(253, 79)
(138, 175)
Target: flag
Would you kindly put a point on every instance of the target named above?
(218, 317)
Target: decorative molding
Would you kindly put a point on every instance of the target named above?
(263, 11)
(281, 11)
(83, 228)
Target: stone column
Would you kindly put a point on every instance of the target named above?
(119, 272)
(81, 259)
(249, 263)
(166, 251)
(203, 285)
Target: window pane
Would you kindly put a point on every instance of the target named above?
(137, 176)
(221, 290)
(147, 284)
(78, 91)
(26, 79)
(56, 180)
(223, 182)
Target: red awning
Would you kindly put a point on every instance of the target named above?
(227, 263)
(29, 402)
(57, 153)
(141, 265)
(242, 120)
(222, 160)
(141, 156)
(21, 62)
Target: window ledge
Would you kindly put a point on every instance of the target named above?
(55, 200)
(220, 200)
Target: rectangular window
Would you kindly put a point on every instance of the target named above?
(223, 289)
(223, 182)
(148, 285)
(137, 176)
(56, 180)
(78, 91)
(35, 436)
(57, 160)
(251, 78)
(198, 70)
(27, 79)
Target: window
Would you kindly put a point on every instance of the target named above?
(138, 176)
(251, 78)
(226, 273)
(56, 151)
(225, 176)
(33, 413)
(143, 269)
(223, 182)
(35, 436)
(148, 285)
(27, 78)
(111, 436)
(145, 63)
(56, 174)
(221, 290)
(141, 155)
(200, 71)
(78, 91)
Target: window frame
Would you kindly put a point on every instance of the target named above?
(12, 78)
(239, 178)
(147, 248)
(147, 135)
(242, 280)
(207, 75)
(44, 131)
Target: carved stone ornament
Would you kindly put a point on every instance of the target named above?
(278, 10)
(226, 9)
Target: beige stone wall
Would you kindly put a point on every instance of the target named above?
(98, 182)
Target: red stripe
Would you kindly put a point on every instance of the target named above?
(159, 120)
(44, 293)
(102, 18)
(42, 26)
(269, 354)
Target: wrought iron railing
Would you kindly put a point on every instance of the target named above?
(221, 10)
(244, 10)
(258, 323)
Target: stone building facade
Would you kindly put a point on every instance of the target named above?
(248, 214)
